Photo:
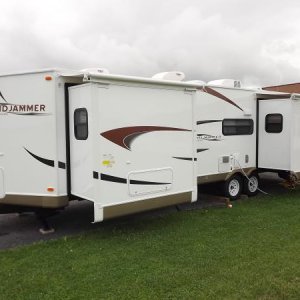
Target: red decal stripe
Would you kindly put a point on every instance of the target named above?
(124, 136)
(220, 96)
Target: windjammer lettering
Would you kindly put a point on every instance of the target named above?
(15, 108)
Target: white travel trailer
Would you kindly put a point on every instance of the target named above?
(125, 143)
(118, 150)
(279, 133)
(243, 132)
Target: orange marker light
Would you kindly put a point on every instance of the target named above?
(48, 77)
(50, 189)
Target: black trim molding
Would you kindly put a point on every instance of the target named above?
(186, 158)
(47, 162)
(106, 177)
(207, 121)
(61, 165)
(44, 161)
(201, 150)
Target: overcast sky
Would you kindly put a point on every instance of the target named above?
(255, 41)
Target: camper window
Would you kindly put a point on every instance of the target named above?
(237, 126)
(81, 124)
(274, 123)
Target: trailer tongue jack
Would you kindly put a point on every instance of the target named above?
(42, 216)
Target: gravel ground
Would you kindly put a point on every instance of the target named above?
(17, 230)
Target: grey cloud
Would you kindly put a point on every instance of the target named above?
(256, 41)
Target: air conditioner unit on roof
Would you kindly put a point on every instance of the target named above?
(198, 82)
(172, 76)
(231, 83)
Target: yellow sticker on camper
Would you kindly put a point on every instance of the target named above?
(108, 160)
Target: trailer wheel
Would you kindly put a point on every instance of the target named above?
(251, 186)
(233, 187)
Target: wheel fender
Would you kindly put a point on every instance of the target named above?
(248, 171)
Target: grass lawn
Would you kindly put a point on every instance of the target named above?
(249, 251)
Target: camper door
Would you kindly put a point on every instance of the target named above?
(274, 134)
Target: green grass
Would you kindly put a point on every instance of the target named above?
(249, 251)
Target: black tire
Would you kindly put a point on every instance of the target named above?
(250, 188)
(233, 187)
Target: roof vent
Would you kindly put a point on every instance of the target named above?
(172, 76)
(95, 71)
(230, 83)
(198, 82)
